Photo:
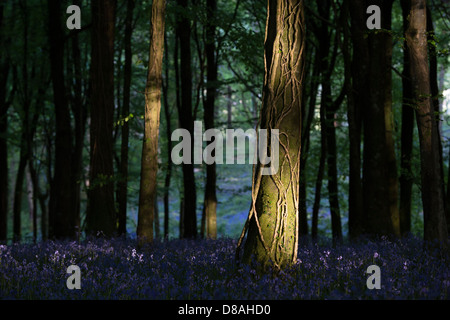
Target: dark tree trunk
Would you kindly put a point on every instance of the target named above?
(435, 94)
(167, 114)
(406, 176)
(63, 203)
(101, 215)
(186, 121)
(123, 182)
(79, 111)
(380, 183)
(319, 180)
(4, 105)
(210, 204)
(360, 91)
(328, 126)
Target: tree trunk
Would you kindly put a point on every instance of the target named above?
(319, 180)
(210, 204)
(149, 164)
(360, 91)
(167, 179)
(79, 111)
(123, 182)
(435, 227)
(406, 176)
(63, 204)
(189, 219)
(4, 105)
(380, 183)
(273, 220)
(328, 113)
(101, 214)
(435, 94)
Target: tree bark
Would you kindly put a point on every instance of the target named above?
(123, 182)
(167, 114)
(360, 91)
(4, 106)
(435, 227)
(272, 239)
(189, 219)
(149, 164)
(101, 214)
(210, 204)
(63, 204)
(380, 183)
(406, 175)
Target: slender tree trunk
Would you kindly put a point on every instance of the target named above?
(273, 220)
(149, 164)
(101, 214)
(168, 176)
(62, 199)
(406, 176)
(319, 180)
(435, 227)
(328, 123)
(4, 106)
(229, 107)
(18, 193)
(360, 91)
(123, 182)
(79, 111)
(435, 94)
(180, 111)
(210, 204)
(189, 219)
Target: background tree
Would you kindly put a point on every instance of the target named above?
(435, 227)
(210, 205)
(186, 121)
(101, 214)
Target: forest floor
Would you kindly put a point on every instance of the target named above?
(187, 269)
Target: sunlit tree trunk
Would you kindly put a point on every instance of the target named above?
(149, 164)
(435, 227)
(273, 220)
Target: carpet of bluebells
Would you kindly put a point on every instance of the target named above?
(183, 269)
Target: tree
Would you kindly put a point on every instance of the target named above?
(380, 183)
(210, 204)
(357, 97)
(149, 165)
(5, 102)
(273, 219)
(122, 185)
(63, 201)
(435, 227)
(101, 213)
(188, 220)
(406, 174)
